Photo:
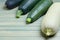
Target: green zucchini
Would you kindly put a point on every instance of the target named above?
(39, 10)
(25, 7)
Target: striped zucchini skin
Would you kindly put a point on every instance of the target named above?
(10, 4)
(25, 7)
(39, 10)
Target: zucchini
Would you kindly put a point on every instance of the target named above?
(10, 4)
(25, 7)
(51, 21)
(39, 10)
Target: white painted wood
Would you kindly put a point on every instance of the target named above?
(17, 29)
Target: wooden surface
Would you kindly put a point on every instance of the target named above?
(17, 29)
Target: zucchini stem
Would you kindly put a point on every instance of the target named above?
(5, 7)
(48, 31)
(28, 20)
(18, 14)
